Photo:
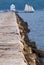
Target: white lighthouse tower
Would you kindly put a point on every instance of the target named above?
(12, 7)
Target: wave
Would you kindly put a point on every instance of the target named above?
(4, 11)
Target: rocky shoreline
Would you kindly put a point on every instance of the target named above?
(30, 51)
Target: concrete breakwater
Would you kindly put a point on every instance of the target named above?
(10, 45)
(30, 51)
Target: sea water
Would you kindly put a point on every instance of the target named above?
(36, 25)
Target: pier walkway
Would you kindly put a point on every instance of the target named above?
(10, 45)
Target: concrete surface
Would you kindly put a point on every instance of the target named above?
(10, 45)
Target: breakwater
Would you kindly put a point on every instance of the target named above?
(10, 45)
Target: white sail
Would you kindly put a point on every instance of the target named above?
(12, 7)
(32, 8)
(28, 8)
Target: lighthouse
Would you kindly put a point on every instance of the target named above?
(12, 7)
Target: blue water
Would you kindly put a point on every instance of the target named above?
(36, 25)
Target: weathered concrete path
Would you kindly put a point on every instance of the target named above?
(10, 45)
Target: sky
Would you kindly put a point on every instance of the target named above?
(20, 4)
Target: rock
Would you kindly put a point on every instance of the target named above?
(32, 56)
(32, 44)
(38, 52)
(32, 63)
(30, 50)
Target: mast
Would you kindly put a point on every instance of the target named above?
(28, 5)
(10, 1)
